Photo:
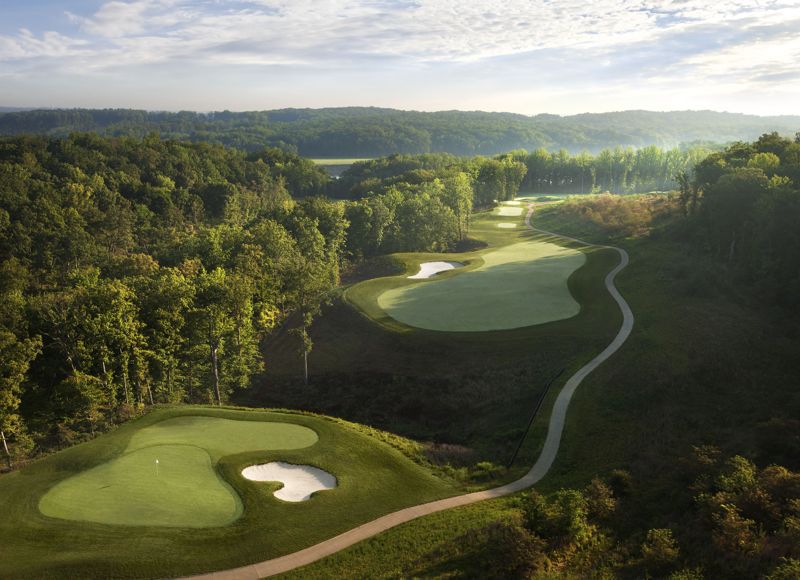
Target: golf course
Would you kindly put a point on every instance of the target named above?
(518, 281)
(547, 456)
(115, 512)
(200, 481)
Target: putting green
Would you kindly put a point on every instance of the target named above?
(518, 285)
(183, 489)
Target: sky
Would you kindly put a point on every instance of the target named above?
(524, 56)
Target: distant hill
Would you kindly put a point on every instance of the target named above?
(370, 131)
(15, 109)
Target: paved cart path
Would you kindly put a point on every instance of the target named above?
(537, 472)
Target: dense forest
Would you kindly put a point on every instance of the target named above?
(744, 206)
(727, 519)
(617, 170)
(373, 132)
(143, 271)
(146, 271)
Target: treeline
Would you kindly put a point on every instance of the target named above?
(135, 272)
(421, 203)
(743, 204)
(617, 170)
(373, 132)
(725, 518)
(138, 272)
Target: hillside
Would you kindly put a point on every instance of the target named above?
(370, 132)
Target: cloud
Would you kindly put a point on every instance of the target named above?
(51, 45)
(298, 31)
(567, 43)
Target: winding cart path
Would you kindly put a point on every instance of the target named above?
(537, 472)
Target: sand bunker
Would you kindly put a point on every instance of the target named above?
(506, 225)
(510, 211)
(299, 481)
(428, 269)
(512, 202)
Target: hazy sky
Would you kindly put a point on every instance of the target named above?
(526, 56)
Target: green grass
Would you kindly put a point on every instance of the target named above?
(523, 284)
(706, 363)
(183, 489)
(396, 553)
(473, 389)
(373, 478)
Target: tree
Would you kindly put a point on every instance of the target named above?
(789, 568)
(307, 285)
(164, 301)
(331, 223)
(688, 195)
(728, 205)
(766, 162)
(600, 499)
(243, 357)
(16, 355)
(457, 194)
(659, 550)
(213, 322)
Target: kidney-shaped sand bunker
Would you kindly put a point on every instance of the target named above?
(299, 481)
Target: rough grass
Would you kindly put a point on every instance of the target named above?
(398, 553)
(705, 364)
(182, 489)
(373, 479)
(474, 390)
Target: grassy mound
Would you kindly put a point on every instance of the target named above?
(373, 479)
(523, 284)
(166, 476)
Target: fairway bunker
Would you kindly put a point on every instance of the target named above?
(299, 481)
(506, 225)
(510, 211)
(512, 202)
(428, 269)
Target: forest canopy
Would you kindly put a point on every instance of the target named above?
(374, 132)
(143, 271)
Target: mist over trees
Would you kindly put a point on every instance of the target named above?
(373, 132)
(617, 170)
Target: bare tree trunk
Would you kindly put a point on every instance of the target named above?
(305, 365)
(125, 384)
(216, 374)
(5, 448)
(732, 249)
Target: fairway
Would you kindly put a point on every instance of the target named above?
(166, 475)
(518, 285)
